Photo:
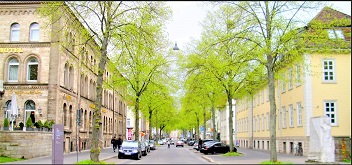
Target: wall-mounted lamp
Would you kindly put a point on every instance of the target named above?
(40, 111)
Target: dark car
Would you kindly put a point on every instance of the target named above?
(144, 149)
(152, 144)
(217, 147)
(130, 149)
(206, 141)
(191, 142)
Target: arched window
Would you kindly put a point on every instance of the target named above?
(8, 109)
(15, 32)
(70, 77)
(66, 71)
(65, 115)
(29, 107)
(32, 69)
(34, 32)
(13, 70)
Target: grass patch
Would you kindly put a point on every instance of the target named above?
(92, 162)
(4, 159)
(347, 160)
(269, 162)
(232, 154)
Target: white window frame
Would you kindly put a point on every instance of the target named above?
(267, 121)
(283, 117)
(263, 96)
(29, 63)
(15, 32)
(299, 114)
(267, 93)
(335, 34)
(328, 106)
(283, 83)
(34, 32)
(330, 72)
(290, 77)
(254, 124)
(298, 75)
(258, 122)
(263, 121)
(13, 63)
(291, 116)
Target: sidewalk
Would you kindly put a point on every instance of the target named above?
(70, 158)
(254, 156)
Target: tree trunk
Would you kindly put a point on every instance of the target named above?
(229, 99)
(156, 127)
(273, 154)
(136, 122)
(97, 125)
(204, 124)
(213, 120)
(150, 125)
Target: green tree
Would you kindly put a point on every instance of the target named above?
(142, 56)
(95, 21)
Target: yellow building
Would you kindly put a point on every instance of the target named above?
(52, 82)
(322, 86)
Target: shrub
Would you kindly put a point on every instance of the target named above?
(6, 122)
(51, 123)
(46, 124)
(40, 124)
(29, 122)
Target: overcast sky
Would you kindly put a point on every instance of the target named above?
(187, 16)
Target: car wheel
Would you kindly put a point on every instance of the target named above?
(120, 157)
(213, 152)
(205, 153)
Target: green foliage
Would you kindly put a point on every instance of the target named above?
(46, 124)
(29, 122)
(5, 159)
(6, 122)
(50, 124)
(269, 162)
(92, 162)
(40, 124)
(232, 154)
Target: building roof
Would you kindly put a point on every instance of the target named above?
(328, 14)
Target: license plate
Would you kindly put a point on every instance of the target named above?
(127, 153)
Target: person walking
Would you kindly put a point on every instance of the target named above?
(119, 143)
(168, 144)
(200, 143)
(114, 143)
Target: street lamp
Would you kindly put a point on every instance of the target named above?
(175, 47)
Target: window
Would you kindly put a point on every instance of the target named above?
(263, 96)
(15, 32)
(13, 70)
(258, 122)
(298, 75)
(330, 108)
(263, 121)
(283, 117)
(29, 109)
(8, 110)
(32, 69)
(267, 121)
(291, 115)
(34, 32)
(66, 75)
(290, 79)
(299, 114)
(267, 94)
(328, 70)
(254, 120)
(335, 34)
(128, 122)
(283, 84)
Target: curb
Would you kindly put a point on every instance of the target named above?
(110, 157)
(208, 159)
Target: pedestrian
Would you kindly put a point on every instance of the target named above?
(114, 143)
(200, 142)
(168, 143)
(119, 143)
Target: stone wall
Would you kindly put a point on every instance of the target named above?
(338, 148)
(25, 144)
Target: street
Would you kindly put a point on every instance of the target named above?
(164, 155)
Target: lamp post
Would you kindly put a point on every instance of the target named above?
(175, 47)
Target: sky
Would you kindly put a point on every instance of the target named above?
(187, 16)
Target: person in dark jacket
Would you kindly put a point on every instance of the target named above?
(200, 142)
(114, 143)
(119, 142)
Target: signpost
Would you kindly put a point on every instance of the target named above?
(57, 144)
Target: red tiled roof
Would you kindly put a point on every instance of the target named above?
(328, 14)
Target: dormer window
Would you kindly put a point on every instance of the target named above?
(335, 34)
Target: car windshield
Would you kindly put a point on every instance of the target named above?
(129, 144)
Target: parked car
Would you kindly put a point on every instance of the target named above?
(160, 142)
(144, 149)
(191, 142)
(172, 142)
(131, 149)
(147, 146)
(217, 147)
(180, 143)
(195, 145)
(152, 144)
(206, 141)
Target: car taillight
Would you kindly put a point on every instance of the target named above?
(206, 147)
